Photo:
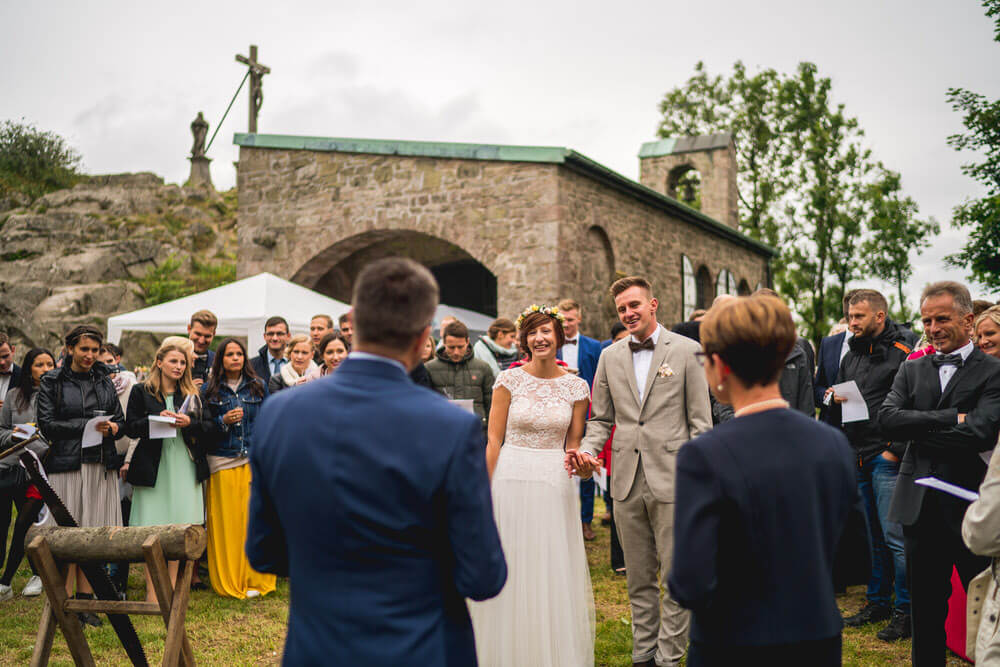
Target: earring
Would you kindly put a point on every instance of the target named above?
(718, 387)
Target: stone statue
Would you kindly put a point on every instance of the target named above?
(199, 128)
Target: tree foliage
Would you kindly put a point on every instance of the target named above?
(34, 162)
(981, 253)
(807, 184)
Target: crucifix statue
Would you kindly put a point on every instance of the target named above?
(257, 72)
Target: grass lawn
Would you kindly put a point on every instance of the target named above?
(224, 631)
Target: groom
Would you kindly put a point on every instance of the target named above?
(652, 388)
(371, 494)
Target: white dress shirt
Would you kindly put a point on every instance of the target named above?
(641, 361)
(571, 353)
(846, 346)
(946, 372)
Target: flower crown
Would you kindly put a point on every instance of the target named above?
(551, 311)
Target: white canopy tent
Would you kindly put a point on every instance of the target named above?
(477, 322)
(242, 308)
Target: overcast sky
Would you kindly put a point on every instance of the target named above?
(122, 81)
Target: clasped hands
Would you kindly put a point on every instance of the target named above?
(581, 463)
(181, 420)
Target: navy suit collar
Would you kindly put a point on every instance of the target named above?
(370, 368)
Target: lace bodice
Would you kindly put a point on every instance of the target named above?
(540, 409)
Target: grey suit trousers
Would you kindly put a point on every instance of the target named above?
(646, 530)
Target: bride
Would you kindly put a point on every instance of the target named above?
(544, 616)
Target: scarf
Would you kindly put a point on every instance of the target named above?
(289, 375)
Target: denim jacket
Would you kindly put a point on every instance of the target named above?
(231, 440)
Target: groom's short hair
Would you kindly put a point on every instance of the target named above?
(623, 284)
(394, 300)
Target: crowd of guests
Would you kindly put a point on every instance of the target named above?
(932, 405)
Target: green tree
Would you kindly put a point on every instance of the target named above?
(806, 181)
(34, 162)
(981, 253)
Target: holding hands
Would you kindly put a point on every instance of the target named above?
(581, 463)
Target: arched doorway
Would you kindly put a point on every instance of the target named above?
(464, 281)
(705, 287)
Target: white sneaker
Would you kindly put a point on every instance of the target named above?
(33, 588)
(5, 593)
(251, 593)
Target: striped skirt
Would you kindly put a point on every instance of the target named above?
(90, 494)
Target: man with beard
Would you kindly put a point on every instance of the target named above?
(877, 348)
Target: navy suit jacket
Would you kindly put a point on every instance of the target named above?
(371, 493)
(827, 367)
(586, 357)
(15, 378)
(761, 504)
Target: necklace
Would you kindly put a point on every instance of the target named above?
(760, 405)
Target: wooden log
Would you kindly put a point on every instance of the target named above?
(116, 543)
(113, 607)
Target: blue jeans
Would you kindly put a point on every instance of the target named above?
(877, 481)
(587, 500)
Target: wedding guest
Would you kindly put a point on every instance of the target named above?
(86, 479)
(201, 331)
(580, 354)
(979, 306)
(877, 349)
(333, 350)
(271, 357)
(947, 405)
(429, 351)
(10, 372)
(20, 408)
(832, 351)
(498, 348)
(231, 399)
(981, 530)
(618, 332)
(445, 321)
(761, 501)
(111, 356)
(800, 366)
(372, 496)
(299, 353)
(319, 326)
(166, 473)
(987, 331)
(457, 374)
(346, 323)
(650, 388)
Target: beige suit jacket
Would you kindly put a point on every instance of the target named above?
(674, 408)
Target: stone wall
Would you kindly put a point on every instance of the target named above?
(303, 214)
(643, 240)
(717, 168)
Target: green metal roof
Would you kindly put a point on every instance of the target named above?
(539, 154)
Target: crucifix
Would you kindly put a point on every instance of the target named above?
(257, 72)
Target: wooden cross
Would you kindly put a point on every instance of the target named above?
(257, 72)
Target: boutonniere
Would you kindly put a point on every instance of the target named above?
(664, 371)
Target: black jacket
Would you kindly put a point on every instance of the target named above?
(420, 376)
(916, 410)
(15, 378)
(63, 412)
(872, 364)
(262, 364)
(796, 380)
(145, 463)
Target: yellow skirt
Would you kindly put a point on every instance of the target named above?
(228, 513)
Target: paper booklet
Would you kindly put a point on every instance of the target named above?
(162, 427)
(91, 436)
(951, 489)
(854, 409)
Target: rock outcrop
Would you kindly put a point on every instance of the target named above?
(83, 254)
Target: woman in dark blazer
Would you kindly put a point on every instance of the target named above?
(166, 472)
(761, 502)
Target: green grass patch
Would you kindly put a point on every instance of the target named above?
(20, 254)
(170, 280)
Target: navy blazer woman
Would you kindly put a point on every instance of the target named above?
(761, 503)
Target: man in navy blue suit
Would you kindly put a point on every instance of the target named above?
(371, 493)
(832, 350)
(580, 353)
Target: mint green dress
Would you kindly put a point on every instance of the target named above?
(177, 496)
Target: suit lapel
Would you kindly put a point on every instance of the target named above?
(958, 377)
(659, 354)
(630, 372)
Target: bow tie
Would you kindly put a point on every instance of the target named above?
(954, 359)
(570, 341)
(647, 344)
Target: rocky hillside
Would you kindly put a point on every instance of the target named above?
(109, 245)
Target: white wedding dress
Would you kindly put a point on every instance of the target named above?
(544, 616)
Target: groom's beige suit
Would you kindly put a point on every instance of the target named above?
(652, 423)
